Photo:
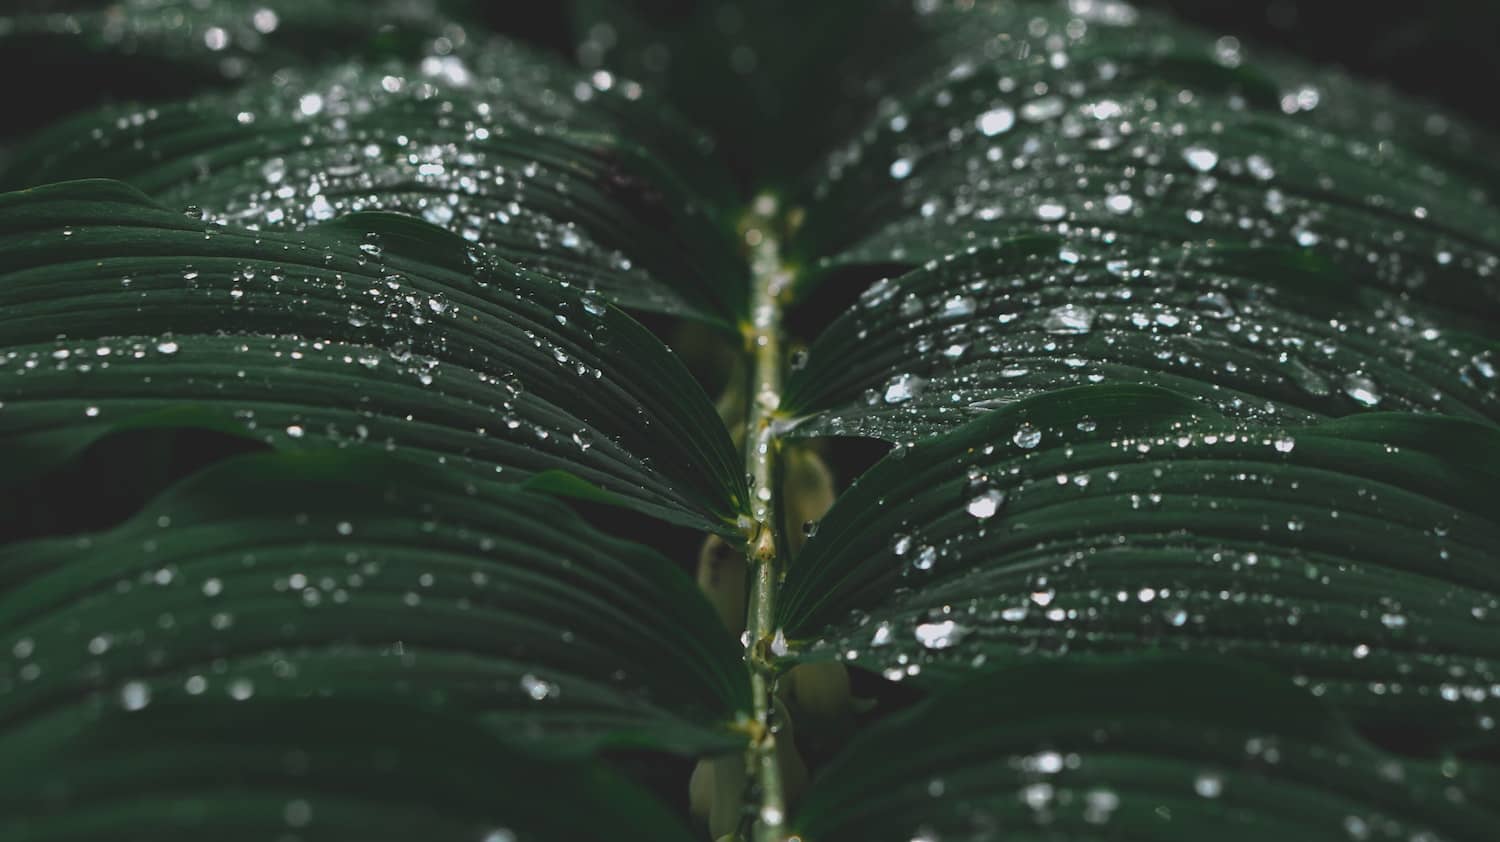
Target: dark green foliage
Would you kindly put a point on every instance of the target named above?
(1184, 354)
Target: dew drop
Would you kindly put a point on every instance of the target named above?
(940, 635)
(135, 695)
(1069, 318)
(1027, 437)
(996, 121)
(986, 504)
(1200, 158)
(1362, 389)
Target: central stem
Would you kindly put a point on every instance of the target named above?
(769, 280)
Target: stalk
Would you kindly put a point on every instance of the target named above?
(770, 279)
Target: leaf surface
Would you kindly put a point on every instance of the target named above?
(1354, 556)
(359, 578)
(373, 331)
(1157, 749)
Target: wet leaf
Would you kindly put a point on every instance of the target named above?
(1112, 127)
(374, 331)
(306, 768)
(358, 578)
(1353, 556)
(1272, 335)
(1151, 749)
(580, 177)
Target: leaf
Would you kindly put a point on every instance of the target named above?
(1354, 556)
(1162, 749)
(1273, 335)
(80, 53)
(1121, 129)
(307, 768)
(582, 178)
(357, 577)
(375, 331)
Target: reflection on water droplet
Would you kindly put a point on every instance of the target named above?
(1069, 318)
(1362, 389)
(996, 121)
(538, 689)
(986, 504)
(1200, 158)
(135, 695)
(1027, 437)
(940, 635)
(904, 387)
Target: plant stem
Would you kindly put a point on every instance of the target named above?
(769, 280)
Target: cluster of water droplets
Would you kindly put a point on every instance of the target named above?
(988, 327)
(1062, 537)
(500, 145)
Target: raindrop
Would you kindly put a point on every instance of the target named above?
(1069, 318)
(1200, 158)
(996, 121)
(1027, 437)
(904, 387)
(1362, 389)
(538, 689)
(940, 635)
(1044, 108)
(986, 504)
(135, 695)
(1208, 785)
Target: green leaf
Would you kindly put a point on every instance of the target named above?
(308, 768)
(1354, 556)
(1114, 128)
(1162, 749)
(79, 53)
(375, 331)
(1274, 335)
(358, 577)
(582, 178)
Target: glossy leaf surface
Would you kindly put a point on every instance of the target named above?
(1155, 749)
(1355, 556)
(359, 578)
(375, 330)
(578, 177)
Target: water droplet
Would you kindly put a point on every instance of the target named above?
(900, 168)
(1051, 211)
(135, 695)
(986, 504)
(297, 813)
(538, 689)
(1208, 785)
(996, 121)
(1043, 108)
(1069, 318)
(904, 387)
(1362, 389)
(1027, 437)
(940, 635)
(241, 689)
(1200, 158)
